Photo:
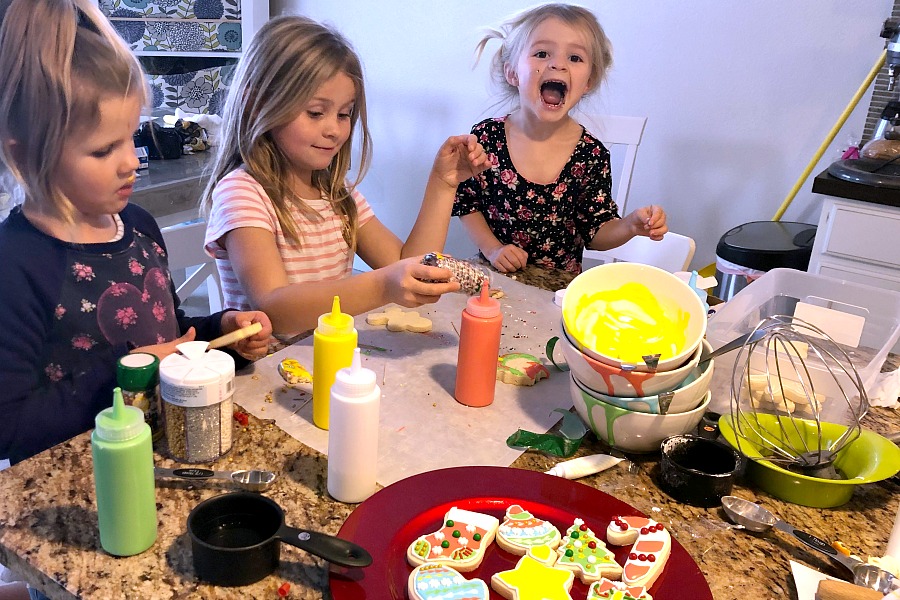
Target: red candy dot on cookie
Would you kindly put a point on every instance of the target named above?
(642, 557)
(633, 556)
(644, 531)
(651, 557)
(583, 527)
(592, 545)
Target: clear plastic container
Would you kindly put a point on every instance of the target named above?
(778, 292)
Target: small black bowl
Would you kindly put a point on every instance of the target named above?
(696, 470)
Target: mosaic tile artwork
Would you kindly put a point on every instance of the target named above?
(201, 92)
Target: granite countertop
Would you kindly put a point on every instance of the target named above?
(171, 187)
(48, 521)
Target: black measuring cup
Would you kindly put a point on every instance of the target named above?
(236, 540)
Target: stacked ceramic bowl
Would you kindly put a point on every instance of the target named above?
(632, 336)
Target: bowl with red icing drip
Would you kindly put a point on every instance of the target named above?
(613, 380)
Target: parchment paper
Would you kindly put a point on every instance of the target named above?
(422, 426)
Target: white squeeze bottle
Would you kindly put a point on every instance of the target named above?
(353, 433)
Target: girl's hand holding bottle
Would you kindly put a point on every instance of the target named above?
(649, 221)
(461, 157)
(410, 283)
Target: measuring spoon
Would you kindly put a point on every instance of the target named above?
(253, 480)
(747, 338)
(754, 517)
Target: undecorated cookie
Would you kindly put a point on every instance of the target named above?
(520, 369)
(397, 319)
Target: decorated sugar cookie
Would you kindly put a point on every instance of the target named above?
(648, 556)
(459, 543)
(521, 530)
(583, 553)
(293, 372)
(397, 319)
(535, 578)
(616, 590)
(440, 582)
(520, 369)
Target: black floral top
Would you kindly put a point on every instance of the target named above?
(551, 222)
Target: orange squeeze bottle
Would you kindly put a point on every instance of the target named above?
(479, 347)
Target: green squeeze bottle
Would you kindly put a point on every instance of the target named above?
(122, 449)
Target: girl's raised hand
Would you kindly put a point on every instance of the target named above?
(649, 221)
(257, 345)
(409, 283)
(461, 157)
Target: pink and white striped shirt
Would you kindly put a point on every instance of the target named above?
(240, 201)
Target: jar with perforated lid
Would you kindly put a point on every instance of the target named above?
(197, 388)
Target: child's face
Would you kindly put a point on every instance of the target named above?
(97, 165)
(315, 136)
(553, 70)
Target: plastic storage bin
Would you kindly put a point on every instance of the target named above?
(778, 292)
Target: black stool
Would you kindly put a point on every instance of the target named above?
(761, 246)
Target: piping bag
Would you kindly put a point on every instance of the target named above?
(584, 466)
(563, 444)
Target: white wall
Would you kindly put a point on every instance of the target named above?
(739, 95)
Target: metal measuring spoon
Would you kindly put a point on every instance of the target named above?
(754, 517)
(253, 480)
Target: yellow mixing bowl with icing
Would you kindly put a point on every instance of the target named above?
(620, 312)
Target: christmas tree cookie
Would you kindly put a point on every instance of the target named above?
(584, 553)
(648, 556)
(535, 578)
(459, 543)
(616, 590)
(440, 582)
(521, 530)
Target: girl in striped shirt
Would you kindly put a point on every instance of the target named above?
(284, 221)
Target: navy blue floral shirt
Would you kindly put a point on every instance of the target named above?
(552, 222)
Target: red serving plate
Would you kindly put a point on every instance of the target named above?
(388, 522)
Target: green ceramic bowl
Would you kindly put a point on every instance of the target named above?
(869, 458)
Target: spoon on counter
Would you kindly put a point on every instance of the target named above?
(754, 517)
(253, 480)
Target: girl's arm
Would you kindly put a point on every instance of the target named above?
(459, 158)
(505, 258)
(294, 308)
(649, 221)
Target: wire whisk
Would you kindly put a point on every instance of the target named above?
(784, 386)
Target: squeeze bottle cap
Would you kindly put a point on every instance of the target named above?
(483, 305)
(335, 322)
(120, 422)
(354, 381)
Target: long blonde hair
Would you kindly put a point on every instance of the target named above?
(288, 59)
(514, 33)
(59, 59)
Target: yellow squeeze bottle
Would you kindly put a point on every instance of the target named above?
(334, 341)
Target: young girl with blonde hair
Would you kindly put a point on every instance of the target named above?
(548, 193)
(284, 221)
(84, 275)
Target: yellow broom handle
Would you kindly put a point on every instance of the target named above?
(834, 130)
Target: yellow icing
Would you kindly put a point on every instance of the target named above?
(629, 322)
(535, 577)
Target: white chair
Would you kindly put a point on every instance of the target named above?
(184, 244)
(622, 135)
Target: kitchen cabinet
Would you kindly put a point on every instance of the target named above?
(857, 233)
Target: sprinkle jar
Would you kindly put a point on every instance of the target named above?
(197, 388)
(138, 376)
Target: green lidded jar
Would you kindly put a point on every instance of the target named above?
(138, 376)
(122, 453)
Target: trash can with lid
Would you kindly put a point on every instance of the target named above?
(749, 250)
